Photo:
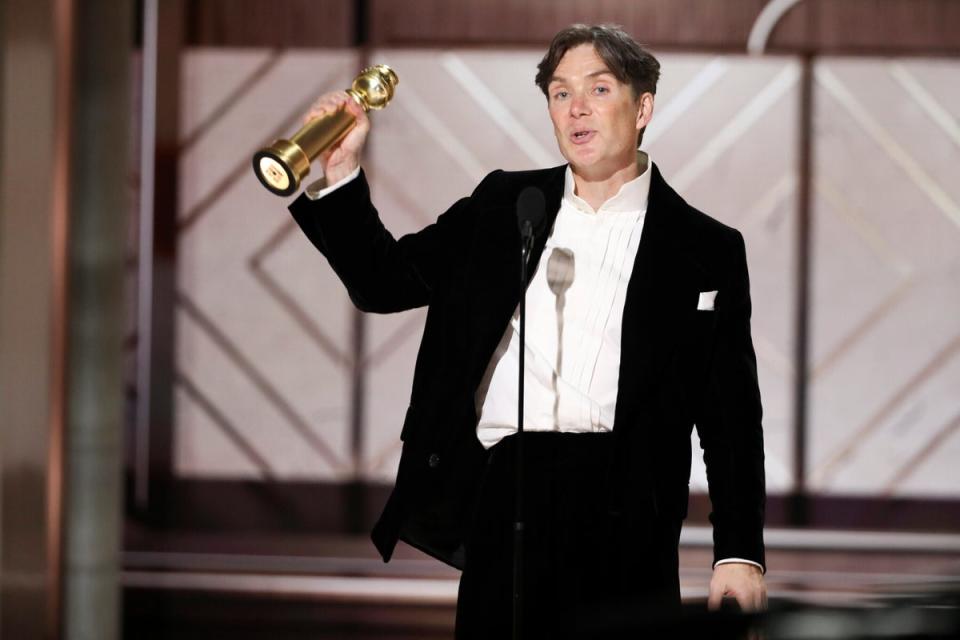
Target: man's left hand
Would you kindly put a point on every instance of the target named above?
(741, 581)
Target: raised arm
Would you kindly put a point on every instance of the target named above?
(382, 274)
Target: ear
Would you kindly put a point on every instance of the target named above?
(644, 110)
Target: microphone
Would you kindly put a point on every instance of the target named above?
(531, 208)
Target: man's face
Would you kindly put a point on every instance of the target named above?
(595, 117)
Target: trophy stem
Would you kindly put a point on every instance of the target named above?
(324, 132)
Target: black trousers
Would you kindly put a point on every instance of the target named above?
(587, 573)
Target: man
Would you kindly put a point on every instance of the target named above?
(639, 328)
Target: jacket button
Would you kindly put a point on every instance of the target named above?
(433, 461)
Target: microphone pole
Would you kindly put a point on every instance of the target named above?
(530, 212)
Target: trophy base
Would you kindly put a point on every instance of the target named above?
(281, 167)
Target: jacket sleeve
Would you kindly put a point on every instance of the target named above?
(729, 424)
(383, 274)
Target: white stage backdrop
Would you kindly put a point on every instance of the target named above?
(265, 347)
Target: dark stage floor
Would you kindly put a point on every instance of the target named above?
(188, 586)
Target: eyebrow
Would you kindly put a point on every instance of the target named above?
(592, 74)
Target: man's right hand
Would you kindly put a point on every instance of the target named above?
(341, 159)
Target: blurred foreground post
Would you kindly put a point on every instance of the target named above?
(99, 210)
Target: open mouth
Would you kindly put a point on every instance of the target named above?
(581, 136)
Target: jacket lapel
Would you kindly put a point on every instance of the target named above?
(654, 297)
(649, 333)
(496, 285)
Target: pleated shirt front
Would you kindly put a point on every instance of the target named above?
(574, 320)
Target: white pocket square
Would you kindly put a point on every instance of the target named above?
(705, 303)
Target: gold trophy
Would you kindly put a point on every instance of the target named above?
(284, 164)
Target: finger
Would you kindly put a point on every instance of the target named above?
(328, 103)
(745, 601)
(758, 600)
(319, 110)
(351, 105)
(715, 598)
(354, 140)
(363, 122)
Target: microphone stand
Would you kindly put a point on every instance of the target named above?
(526, 233)
(530, 213)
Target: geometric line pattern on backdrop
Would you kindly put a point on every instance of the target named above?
(688, 96)
(245, 447)
(824, 472)
(885, 140)
(939, 437)
(881, 310)
(297, 313)
(306, 321)
(388, 353)
(857, 220)
(760, 215)
(441, 134)
(260, 382)
(232, 100)
(378, 460)
(313, 330)
(927, 102)
(383, 351)
(728, 134)
(768, 353)
(242, 168)
(873, 239)
(499, 113)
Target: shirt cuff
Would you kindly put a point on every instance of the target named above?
(731, 560)
(318, 189)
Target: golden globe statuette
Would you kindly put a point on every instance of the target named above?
(283, 165)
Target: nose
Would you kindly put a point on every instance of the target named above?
(578, 105)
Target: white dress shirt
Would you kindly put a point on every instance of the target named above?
(574, 318)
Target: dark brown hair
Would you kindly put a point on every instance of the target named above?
(627, 60)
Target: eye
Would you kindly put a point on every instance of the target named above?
(559, 95)
(602, 89)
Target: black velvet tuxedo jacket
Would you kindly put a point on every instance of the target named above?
(679, 366)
